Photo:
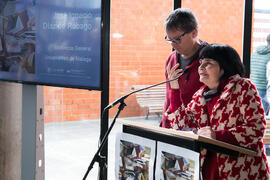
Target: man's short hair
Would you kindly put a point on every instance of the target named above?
(268, 39)
(181, 19)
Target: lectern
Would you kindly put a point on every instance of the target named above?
(186, 140)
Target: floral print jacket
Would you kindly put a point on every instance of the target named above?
(238, 110)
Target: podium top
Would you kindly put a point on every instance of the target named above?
(188, 135)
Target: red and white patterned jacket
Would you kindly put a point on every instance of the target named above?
(239, 111)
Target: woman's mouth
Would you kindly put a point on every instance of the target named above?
(202, 74)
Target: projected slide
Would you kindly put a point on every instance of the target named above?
(51, 42)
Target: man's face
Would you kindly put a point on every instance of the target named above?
(181, 41)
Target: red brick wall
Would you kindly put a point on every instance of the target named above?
(64, 104)
(138, 57)
(219, 21)
(260, 28)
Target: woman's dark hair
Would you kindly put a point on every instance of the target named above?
(227, 58)
(181, 19)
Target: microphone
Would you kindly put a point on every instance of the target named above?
(125, 96)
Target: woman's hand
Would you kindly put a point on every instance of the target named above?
(207, 131)
(173, 72)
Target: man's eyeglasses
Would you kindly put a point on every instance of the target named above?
(176, 40)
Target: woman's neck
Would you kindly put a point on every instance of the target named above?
(213, 86)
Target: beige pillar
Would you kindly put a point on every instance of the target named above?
(10, 130)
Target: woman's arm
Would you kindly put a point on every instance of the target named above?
(252, 129)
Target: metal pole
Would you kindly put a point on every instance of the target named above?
(247, 35)
(177, 4)
(105, 55)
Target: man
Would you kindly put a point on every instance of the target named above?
(181, 28)
(258, 63)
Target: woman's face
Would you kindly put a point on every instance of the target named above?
(210, 73)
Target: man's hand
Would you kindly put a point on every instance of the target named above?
(173, 72)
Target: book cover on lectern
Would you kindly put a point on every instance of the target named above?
(134, 157)
(176, 163)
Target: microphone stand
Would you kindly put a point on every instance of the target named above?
(101, 159)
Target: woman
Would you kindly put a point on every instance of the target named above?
(227, 108)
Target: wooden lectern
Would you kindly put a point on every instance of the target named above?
(186, 142)
(183, 139)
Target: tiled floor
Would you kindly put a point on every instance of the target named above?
(70, 147)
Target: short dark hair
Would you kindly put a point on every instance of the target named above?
(227, 58)
(268, 39)
(181, 19)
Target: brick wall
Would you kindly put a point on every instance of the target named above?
(219, 21)
(64, 104)
(261, 27)
(138, 52)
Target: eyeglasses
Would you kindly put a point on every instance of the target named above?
(175, 40)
